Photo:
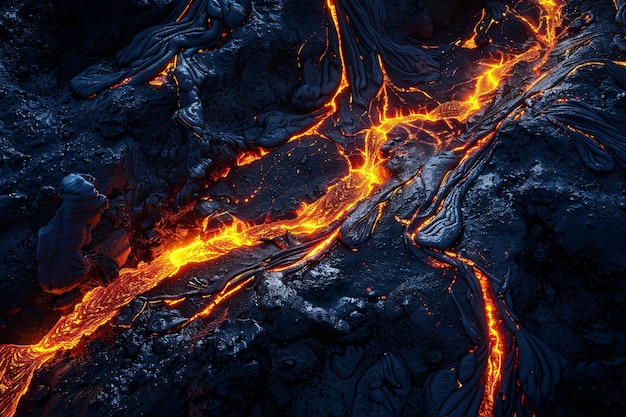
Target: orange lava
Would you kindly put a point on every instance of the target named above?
(163, 77)
(332, 9)
(497, 335)
(324, 216)
(124, 81)
(248, 157)
(499, 338)
(550, 19)
(183, 14)
(470, 43)
(18, 363)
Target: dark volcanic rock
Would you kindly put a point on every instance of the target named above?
(228, 381)
(557, 225)
(62, 265)
(275, 186)
(383, 389)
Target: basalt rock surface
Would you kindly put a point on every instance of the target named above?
(62, 265)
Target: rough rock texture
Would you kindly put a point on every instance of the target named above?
(312, 164)
(357, 333)
(62, 265)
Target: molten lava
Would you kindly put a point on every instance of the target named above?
(320, 218)
(497, 337)
(163, 77)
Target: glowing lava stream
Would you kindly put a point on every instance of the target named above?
(18, 363)
(497, 335)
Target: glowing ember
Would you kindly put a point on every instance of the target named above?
(163, 77)
(248, 157)
(124, 81)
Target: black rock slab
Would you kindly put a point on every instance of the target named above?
(275, 186)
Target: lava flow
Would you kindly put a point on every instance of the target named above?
(322, 217)
(499, 341)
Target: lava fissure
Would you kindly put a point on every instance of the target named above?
(518, 371)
